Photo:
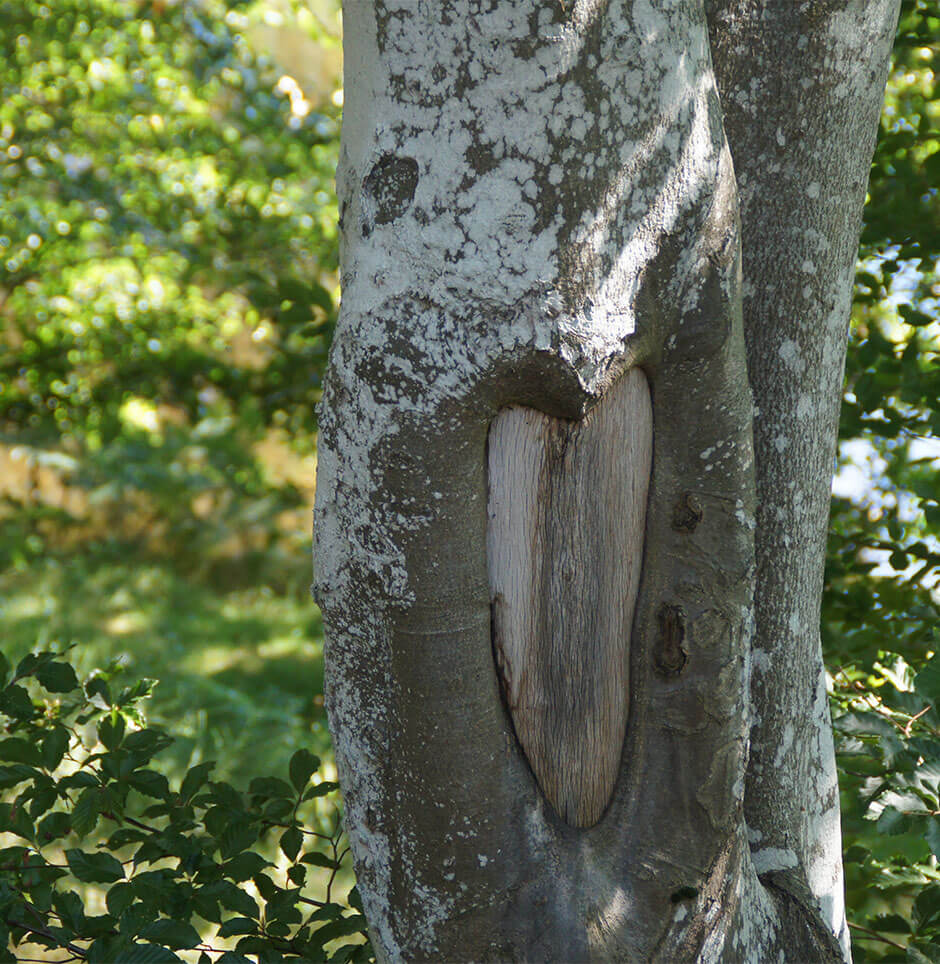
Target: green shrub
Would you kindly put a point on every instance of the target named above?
(106, 861)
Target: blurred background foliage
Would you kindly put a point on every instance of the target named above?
(167, 291)
(168, 287)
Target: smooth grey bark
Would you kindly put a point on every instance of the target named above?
(801, 88)
(536, 198)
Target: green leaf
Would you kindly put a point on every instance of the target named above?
(68, 905)
(111, 732)
(119, 897)
(303, 764)
(270, 787)
(177, 935)
(54, 746)
(98, 692)
(927, 907)
(233, 898)
(321, 789)
(15, 702)
(319, 860)
(53, 826)
(356, 924)
(194, 779)
(933, 835)
(291, 290)
(890, 923)
(927, 681)
(326, 912)
(244, 866)
(10, 776)
(149, 954)
(237, 926)
(892, 821)
(57, 677)
(15, 750)
(227, 796)
(81, 778)
(291, 841)
(237, 836)
(94, 868)
(923, 954)
(151, 783)
(86, 811)
(146, 743)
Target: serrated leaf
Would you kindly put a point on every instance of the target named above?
(303, 764)
(317, 859)
(86, 811)
(227, 796)
(94, 868)
(151, 783)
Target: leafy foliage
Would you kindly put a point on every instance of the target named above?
(880, 608)
(167, 259)
(167, 296)
(177, 868)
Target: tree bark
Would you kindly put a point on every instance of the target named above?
(538, 200)
(801, 89)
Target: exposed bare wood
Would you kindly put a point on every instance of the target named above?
(567, 509)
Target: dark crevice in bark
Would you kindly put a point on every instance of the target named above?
(808, 938)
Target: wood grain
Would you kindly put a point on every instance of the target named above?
(566, 516)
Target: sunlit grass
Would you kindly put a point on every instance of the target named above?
(240, 671)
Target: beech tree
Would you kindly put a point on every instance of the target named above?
(575, 455)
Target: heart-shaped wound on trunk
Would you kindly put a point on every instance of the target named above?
(566, 517)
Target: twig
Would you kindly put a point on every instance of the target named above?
(875, 936)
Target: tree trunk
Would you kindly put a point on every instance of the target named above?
(542, 230)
